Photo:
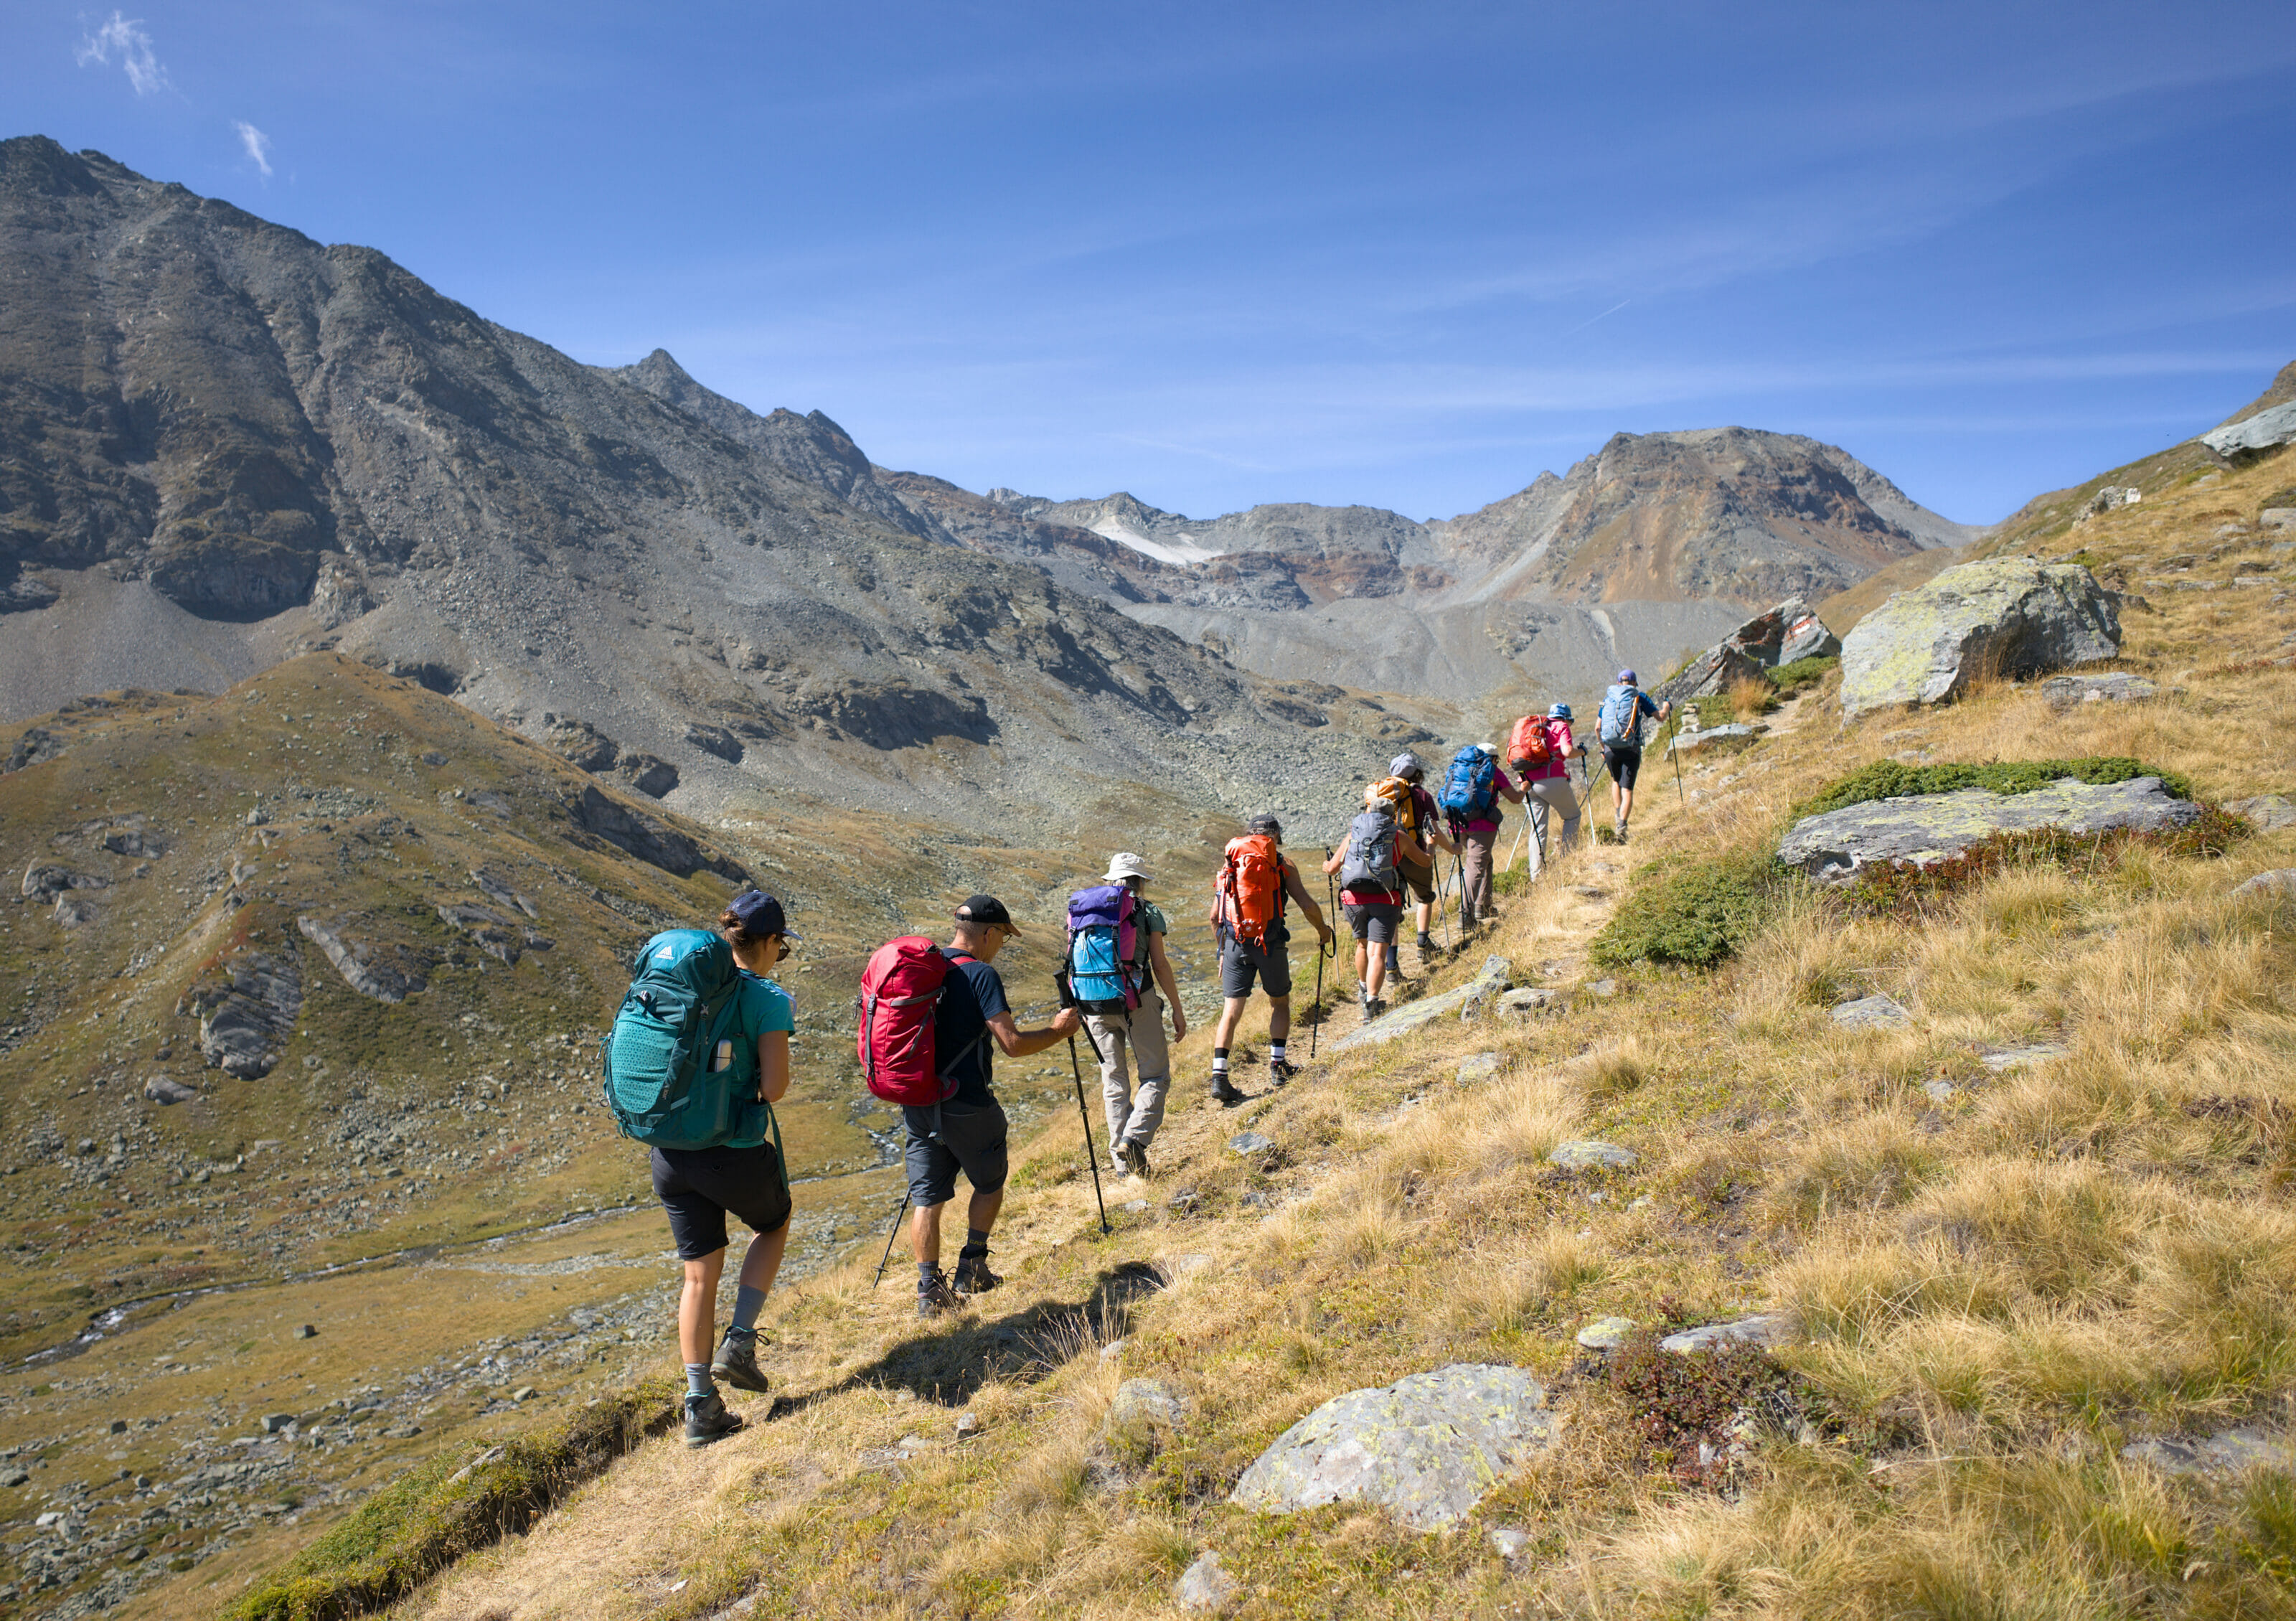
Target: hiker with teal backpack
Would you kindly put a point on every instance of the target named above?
(1472, 786)
(697, 1057)
(1116, 963)
(1625, 706)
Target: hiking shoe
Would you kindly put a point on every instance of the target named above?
(736, 1361)
(1223, 1094)
(1394, 961)
(1375, 1008)
(1427, 945)
(973, 1276)
(1136, 1157)
(706, 1421)
(1281, 1070)
(935, 1297)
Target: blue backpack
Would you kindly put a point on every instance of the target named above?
(1620, 720)
(1103, 942)
(668, 1081)
(1471, 786)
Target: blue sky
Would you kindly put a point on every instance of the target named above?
(1405, 255)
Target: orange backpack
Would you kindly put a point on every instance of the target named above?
(1249, 896)
(1529, 746)
(1402, 803)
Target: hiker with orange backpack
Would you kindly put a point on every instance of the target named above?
(1247, 913)
(1539, 751)
(1414, 807)
(928, 1015)
(696, 1059)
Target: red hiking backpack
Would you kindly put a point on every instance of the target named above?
(1249, 896)
(1528, 744)
(900, 993)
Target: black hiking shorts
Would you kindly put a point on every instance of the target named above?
(698, 1186)
(1242, 962)
(966, 1138)
(1624, 764)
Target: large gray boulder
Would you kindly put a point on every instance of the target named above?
(2010, 615)
(1791, 630)
(1930, 828)
(1464, 1001)
(2261, 431)
(1426, 1448)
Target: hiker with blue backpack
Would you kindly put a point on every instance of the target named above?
(1474, 784)
(1115, 965)
(929, 1018)
(697, 1057)
(1620, 720)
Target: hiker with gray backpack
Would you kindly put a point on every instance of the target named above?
(1115, 965)
(696, 1059)
(1619, 721)
(1371, 892)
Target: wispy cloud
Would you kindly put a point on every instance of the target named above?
(124, 40)
(257, 145)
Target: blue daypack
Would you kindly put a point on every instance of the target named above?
(1620, 720)
(1103, 939)
(1470, 784)
(663, 1083)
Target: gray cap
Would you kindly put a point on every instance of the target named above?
(1405, 764)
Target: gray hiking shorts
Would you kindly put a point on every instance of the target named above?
(1242, 962)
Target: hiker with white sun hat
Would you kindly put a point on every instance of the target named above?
(1135, 1116)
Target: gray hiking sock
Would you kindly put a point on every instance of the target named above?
(976, 1241)
(926, 1273)
(747, 1303)
(1275, 1052)
(698, 1382)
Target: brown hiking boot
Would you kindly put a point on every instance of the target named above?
(935, 1296)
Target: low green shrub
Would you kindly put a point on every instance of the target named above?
(1692, 913)
(436, 1513)
(1792, 679)
(1716, 1397)
(1892, 780)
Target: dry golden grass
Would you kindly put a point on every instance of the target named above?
(1996, 1286)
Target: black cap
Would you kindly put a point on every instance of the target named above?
(1266, 822)
(759, 913)
(986, 911)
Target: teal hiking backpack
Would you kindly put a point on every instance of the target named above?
(662, 1058)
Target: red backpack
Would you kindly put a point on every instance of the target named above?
(1528, 744)
(900, 993)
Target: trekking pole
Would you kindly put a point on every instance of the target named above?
(1674, 725)
(1516, 849)
(1331, 896)
(889, 1237)
(1091, 1150)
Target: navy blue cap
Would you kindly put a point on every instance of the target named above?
(1627, 678)
(759, 913)
(986, 911)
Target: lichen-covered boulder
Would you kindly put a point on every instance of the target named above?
(2009, 615)
(1464, 1001)
(1927, 827)
(1426, 1448)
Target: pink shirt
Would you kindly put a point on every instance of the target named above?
(1502, 784)
(1559, 745)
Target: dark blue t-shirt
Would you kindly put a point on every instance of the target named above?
(971, 997)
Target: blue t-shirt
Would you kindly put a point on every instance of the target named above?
(971, 997)
(761, 1007)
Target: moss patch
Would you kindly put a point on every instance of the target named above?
(1892, 780)
(1802, 674)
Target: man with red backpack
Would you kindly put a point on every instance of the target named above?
(1248, 913)
(965, 1130)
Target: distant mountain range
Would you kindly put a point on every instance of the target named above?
(222, 443)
